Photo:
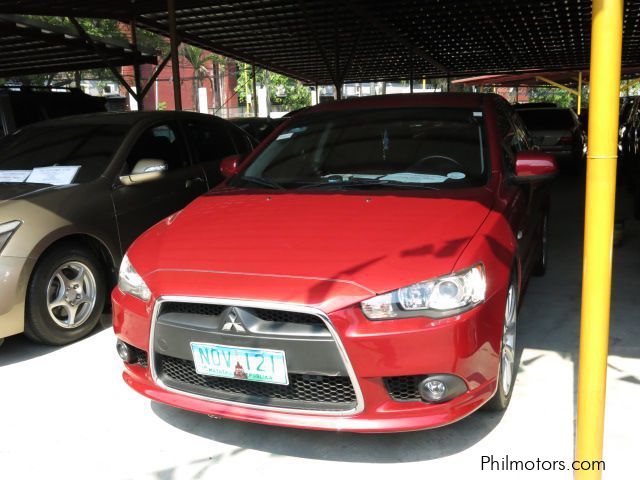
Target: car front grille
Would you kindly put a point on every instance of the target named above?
(319, 376)
(404, 389)
(268, 315)
(286, 317)
(208, 309)
(313, 392)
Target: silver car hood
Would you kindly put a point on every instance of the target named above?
(14, 191)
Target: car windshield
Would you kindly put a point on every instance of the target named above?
(59, 154)
(415, 148)
(548, 119)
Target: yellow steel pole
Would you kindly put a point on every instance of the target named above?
(579, 92)
(606, 49)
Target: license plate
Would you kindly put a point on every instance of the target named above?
(254, 364)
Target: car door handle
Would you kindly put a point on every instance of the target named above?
(189, 183)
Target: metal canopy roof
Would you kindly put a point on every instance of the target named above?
(28, 47)
(568, 78)
(333, 42)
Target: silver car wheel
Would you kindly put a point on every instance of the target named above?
(71, 294)
(508, 360)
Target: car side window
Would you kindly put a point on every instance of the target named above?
(160, 142)
(208, 140)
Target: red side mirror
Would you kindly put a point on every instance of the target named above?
(535, 166)
(230, 165)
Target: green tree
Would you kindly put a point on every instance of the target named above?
(284, 91)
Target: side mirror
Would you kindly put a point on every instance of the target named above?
(145, 170)
(534, 166)
(230, 165)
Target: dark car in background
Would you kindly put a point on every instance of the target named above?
(557, 131)
(258, 127)
(629, 149)
(21, 106)
(75, 192)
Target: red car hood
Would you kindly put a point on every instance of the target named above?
(380, 241)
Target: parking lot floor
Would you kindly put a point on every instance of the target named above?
(66, 413)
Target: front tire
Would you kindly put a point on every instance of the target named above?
(65, 297)
(540, 267)
(507, 372)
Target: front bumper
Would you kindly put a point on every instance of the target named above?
(466, 345)
(14, 278)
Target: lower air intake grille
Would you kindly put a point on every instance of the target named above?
(142, 358)
(404, 389)
(313, 392)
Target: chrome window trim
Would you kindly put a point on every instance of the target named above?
(290, 307)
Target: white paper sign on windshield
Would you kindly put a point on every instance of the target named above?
(54, 175)
(14, 176)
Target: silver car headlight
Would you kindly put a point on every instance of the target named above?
(436, 298)
(6, 232)
(129, 281)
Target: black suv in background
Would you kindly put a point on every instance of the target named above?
(21, 106)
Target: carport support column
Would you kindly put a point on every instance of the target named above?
(175, 60)
(254, 94)
(606, 49)
(579, 93)
(337, 94)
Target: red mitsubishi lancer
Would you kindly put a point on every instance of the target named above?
(361, 270)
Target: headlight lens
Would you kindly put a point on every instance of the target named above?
(6, 231)
(436, 298)
(130, 282)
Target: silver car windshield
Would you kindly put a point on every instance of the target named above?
(39, 154)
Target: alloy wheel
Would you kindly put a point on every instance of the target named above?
(508, 360)
(71, 294)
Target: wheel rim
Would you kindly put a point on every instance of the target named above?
(508, 360)
(71, 294)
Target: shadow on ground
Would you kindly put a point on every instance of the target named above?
(19, 348)
(335, 446)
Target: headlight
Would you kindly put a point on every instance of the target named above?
(7, 230)
(130, 282)
(436, 298)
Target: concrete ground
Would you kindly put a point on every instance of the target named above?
(65, 412)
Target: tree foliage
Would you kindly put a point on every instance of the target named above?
(287, 93)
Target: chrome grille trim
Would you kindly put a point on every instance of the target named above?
(290, 307)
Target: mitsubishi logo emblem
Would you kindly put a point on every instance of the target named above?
(233, 323)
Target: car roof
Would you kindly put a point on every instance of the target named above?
(404, 100)
(119, 118)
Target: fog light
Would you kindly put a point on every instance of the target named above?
(125, 352)
(441, 388)
(435, 389)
